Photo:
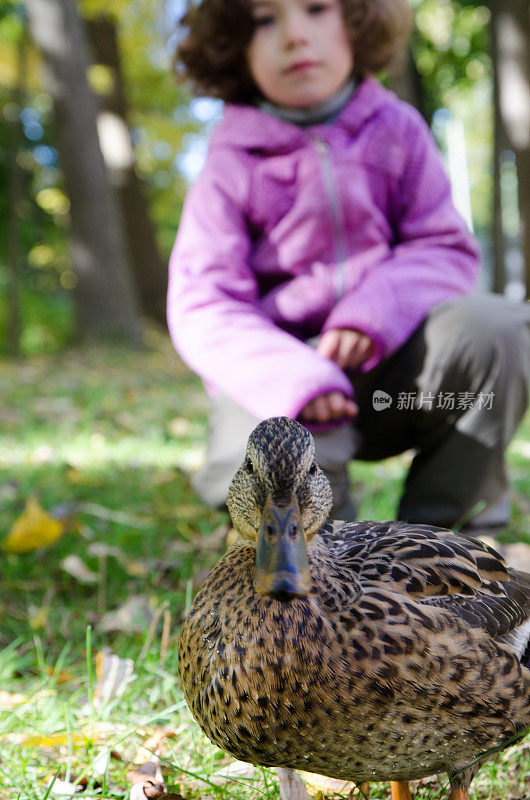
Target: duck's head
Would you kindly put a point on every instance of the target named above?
(279, 498)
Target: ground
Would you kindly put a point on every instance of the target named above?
(102, 440)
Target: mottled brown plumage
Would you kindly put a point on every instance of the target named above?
(408, 656)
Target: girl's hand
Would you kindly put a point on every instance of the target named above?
(348, 348)
(328, 407)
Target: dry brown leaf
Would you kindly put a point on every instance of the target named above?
(147, 790)
(33, 529)
(153, 745)
(147, 781)
(148, 770)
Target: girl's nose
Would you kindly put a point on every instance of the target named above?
(294, 31)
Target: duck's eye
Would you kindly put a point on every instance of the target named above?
(313, 468)
(249, 466)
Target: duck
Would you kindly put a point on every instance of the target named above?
(364, 651)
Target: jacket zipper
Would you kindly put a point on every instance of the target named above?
(330, 185)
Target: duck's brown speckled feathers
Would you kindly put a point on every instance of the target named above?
(408, 657)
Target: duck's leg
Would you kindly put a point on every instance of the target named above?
(364, 790)
(400, 790)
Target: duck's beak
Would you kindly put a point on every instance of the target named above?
(282, 568)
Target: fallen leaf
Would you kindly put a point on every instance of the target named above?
(33, 529)
(101, 762)
(149, 769)
(64, 676)
(76, 567)
(69, 788)
(147, 781)
(154, 744)
(321, 783)
(148, 790)
(135, 568)
(233, 771)
(132, 617)
(113, 675)
(60, 788)
(178, 426)
(112, 515)
(95, 732)
(9, 700)
(38, 617)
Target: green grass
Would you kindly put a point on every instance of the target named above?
(103, 437)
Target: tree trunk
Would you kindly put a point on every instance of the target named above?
(511, 29)
(406, 83)
(16, 179)
(499, 145)
(104, 294)
(149, 270)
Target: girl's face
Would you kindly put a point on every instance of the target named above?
(299, 54)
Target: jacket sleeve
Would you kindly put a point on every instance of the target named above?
(214, 318)
(434, 257)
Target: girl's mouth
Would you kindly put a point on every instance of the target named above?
(301, 66)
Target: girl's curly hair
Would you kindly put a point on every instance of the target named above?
(216, 33)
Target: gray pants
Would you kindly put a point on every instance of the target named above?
(454, 392)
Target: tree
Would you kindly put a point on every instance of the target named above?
(15, 191)
(104, 294)
(511, 34)
(149, 271)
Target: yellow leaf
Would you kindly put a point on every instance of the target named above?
(64, 676)
(34, 528)
(38, 617)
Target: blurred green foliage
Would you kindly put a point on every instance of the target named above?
(159, 120)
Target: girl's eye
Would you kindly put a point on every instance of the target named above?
(317, 8)
(263, 20)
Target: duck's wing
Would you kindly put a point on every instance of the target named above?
(441, 568)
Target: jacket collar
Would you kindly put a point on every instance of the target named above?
(249, 128)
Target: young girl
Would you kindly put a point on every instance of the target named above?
(321, 271)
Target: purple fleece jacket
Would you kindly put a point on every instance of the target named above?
(290, 232)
